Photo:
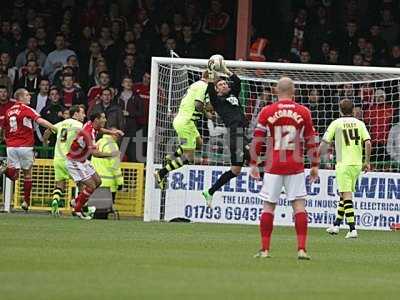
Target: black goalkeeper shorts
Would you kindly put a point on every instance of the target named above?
(238, 146)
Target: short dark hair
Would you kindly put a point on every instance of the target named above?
(3, 87)
(54, 88)
(95, 115)
(59, 34)
(31, 60)
(104, 72)
(76, 108)
(346, 107)
(107, 89)
(44, 79)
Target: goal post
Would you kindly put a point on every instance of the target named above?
(375, 92)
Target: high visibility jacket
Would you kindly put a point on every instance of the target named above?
(257, 49)
(108, 168)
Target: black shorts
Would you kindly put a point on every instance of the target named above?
(238, 146)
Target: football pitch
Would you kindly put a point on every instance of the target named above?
(46, 258)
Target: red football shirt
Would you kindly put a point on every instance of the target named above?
(18, 125)
(94, 95)
(3, 108)
(287, 126)
(144, 93)
(83, 143)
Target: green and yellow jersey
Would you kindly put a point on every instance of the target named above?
(349, 134)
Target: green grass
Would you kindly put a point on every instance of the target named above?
(46, 258)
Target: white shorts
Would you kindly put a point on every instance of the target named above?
(294, 185)
(20, 157)
(80, 171)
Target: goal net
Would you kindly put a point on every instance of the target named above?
(374, 91)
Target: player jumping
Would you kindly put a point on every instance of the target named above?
(225, 100)
(66, 133)
(19, 137)
(190, 110)
(351, 136)
(287, 125)
(80, 168)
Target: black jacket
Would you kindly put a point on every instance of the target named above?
(228, 106)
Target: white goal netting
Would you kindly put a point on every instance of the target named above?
(374, 91)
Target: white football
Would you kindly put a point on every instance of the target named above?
(215, 62)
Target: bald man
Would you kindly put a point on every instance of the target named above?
(282, 130)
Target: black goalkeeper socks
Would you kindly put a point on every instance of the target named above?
(226, 177)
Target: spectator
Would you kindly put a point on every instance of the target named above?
(88, 63)
(130, 68)
(255, 105)
(113, 112)
(305, 57)
(17, 40)
(5, 103)
(143, 90)
(192, 17)
(148, 29)
(6, 30)
(31, 45)
(318, 111)
(349, 42)
(107, 44)
(394, 57)
(358, 60)
(177, 25)
(188, 46)
(300, 23)
(393, 143)
(57, 58)
(140, 41)
(52, 112)
(31, 78)
(164, 35)
(377, 41)
(70, 68)
(41, 37)
(5, 81)
(333, 58)
(323, 56)
(8, 68)
(369, 55)
(390, 29)
(95, 91)
(320, 31)
(170, 45)
(215, 27)
(71, 94)
(40, 100)
(379, 117)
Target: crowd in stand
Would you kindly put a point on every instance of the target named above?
(98, 52)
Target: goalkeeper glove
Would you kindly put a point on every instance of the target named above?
(212, 75)
(225, 69)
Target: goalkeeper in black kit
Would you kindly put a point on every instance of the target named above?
(224, 98)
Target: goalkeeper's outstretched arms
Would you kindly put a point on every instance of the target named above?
(236, 82)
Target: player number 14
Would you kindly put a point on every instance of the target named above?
(351, 134)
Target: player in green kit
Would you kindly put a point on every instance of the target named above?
(191, 109)
(351, 138)
(66, 132)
